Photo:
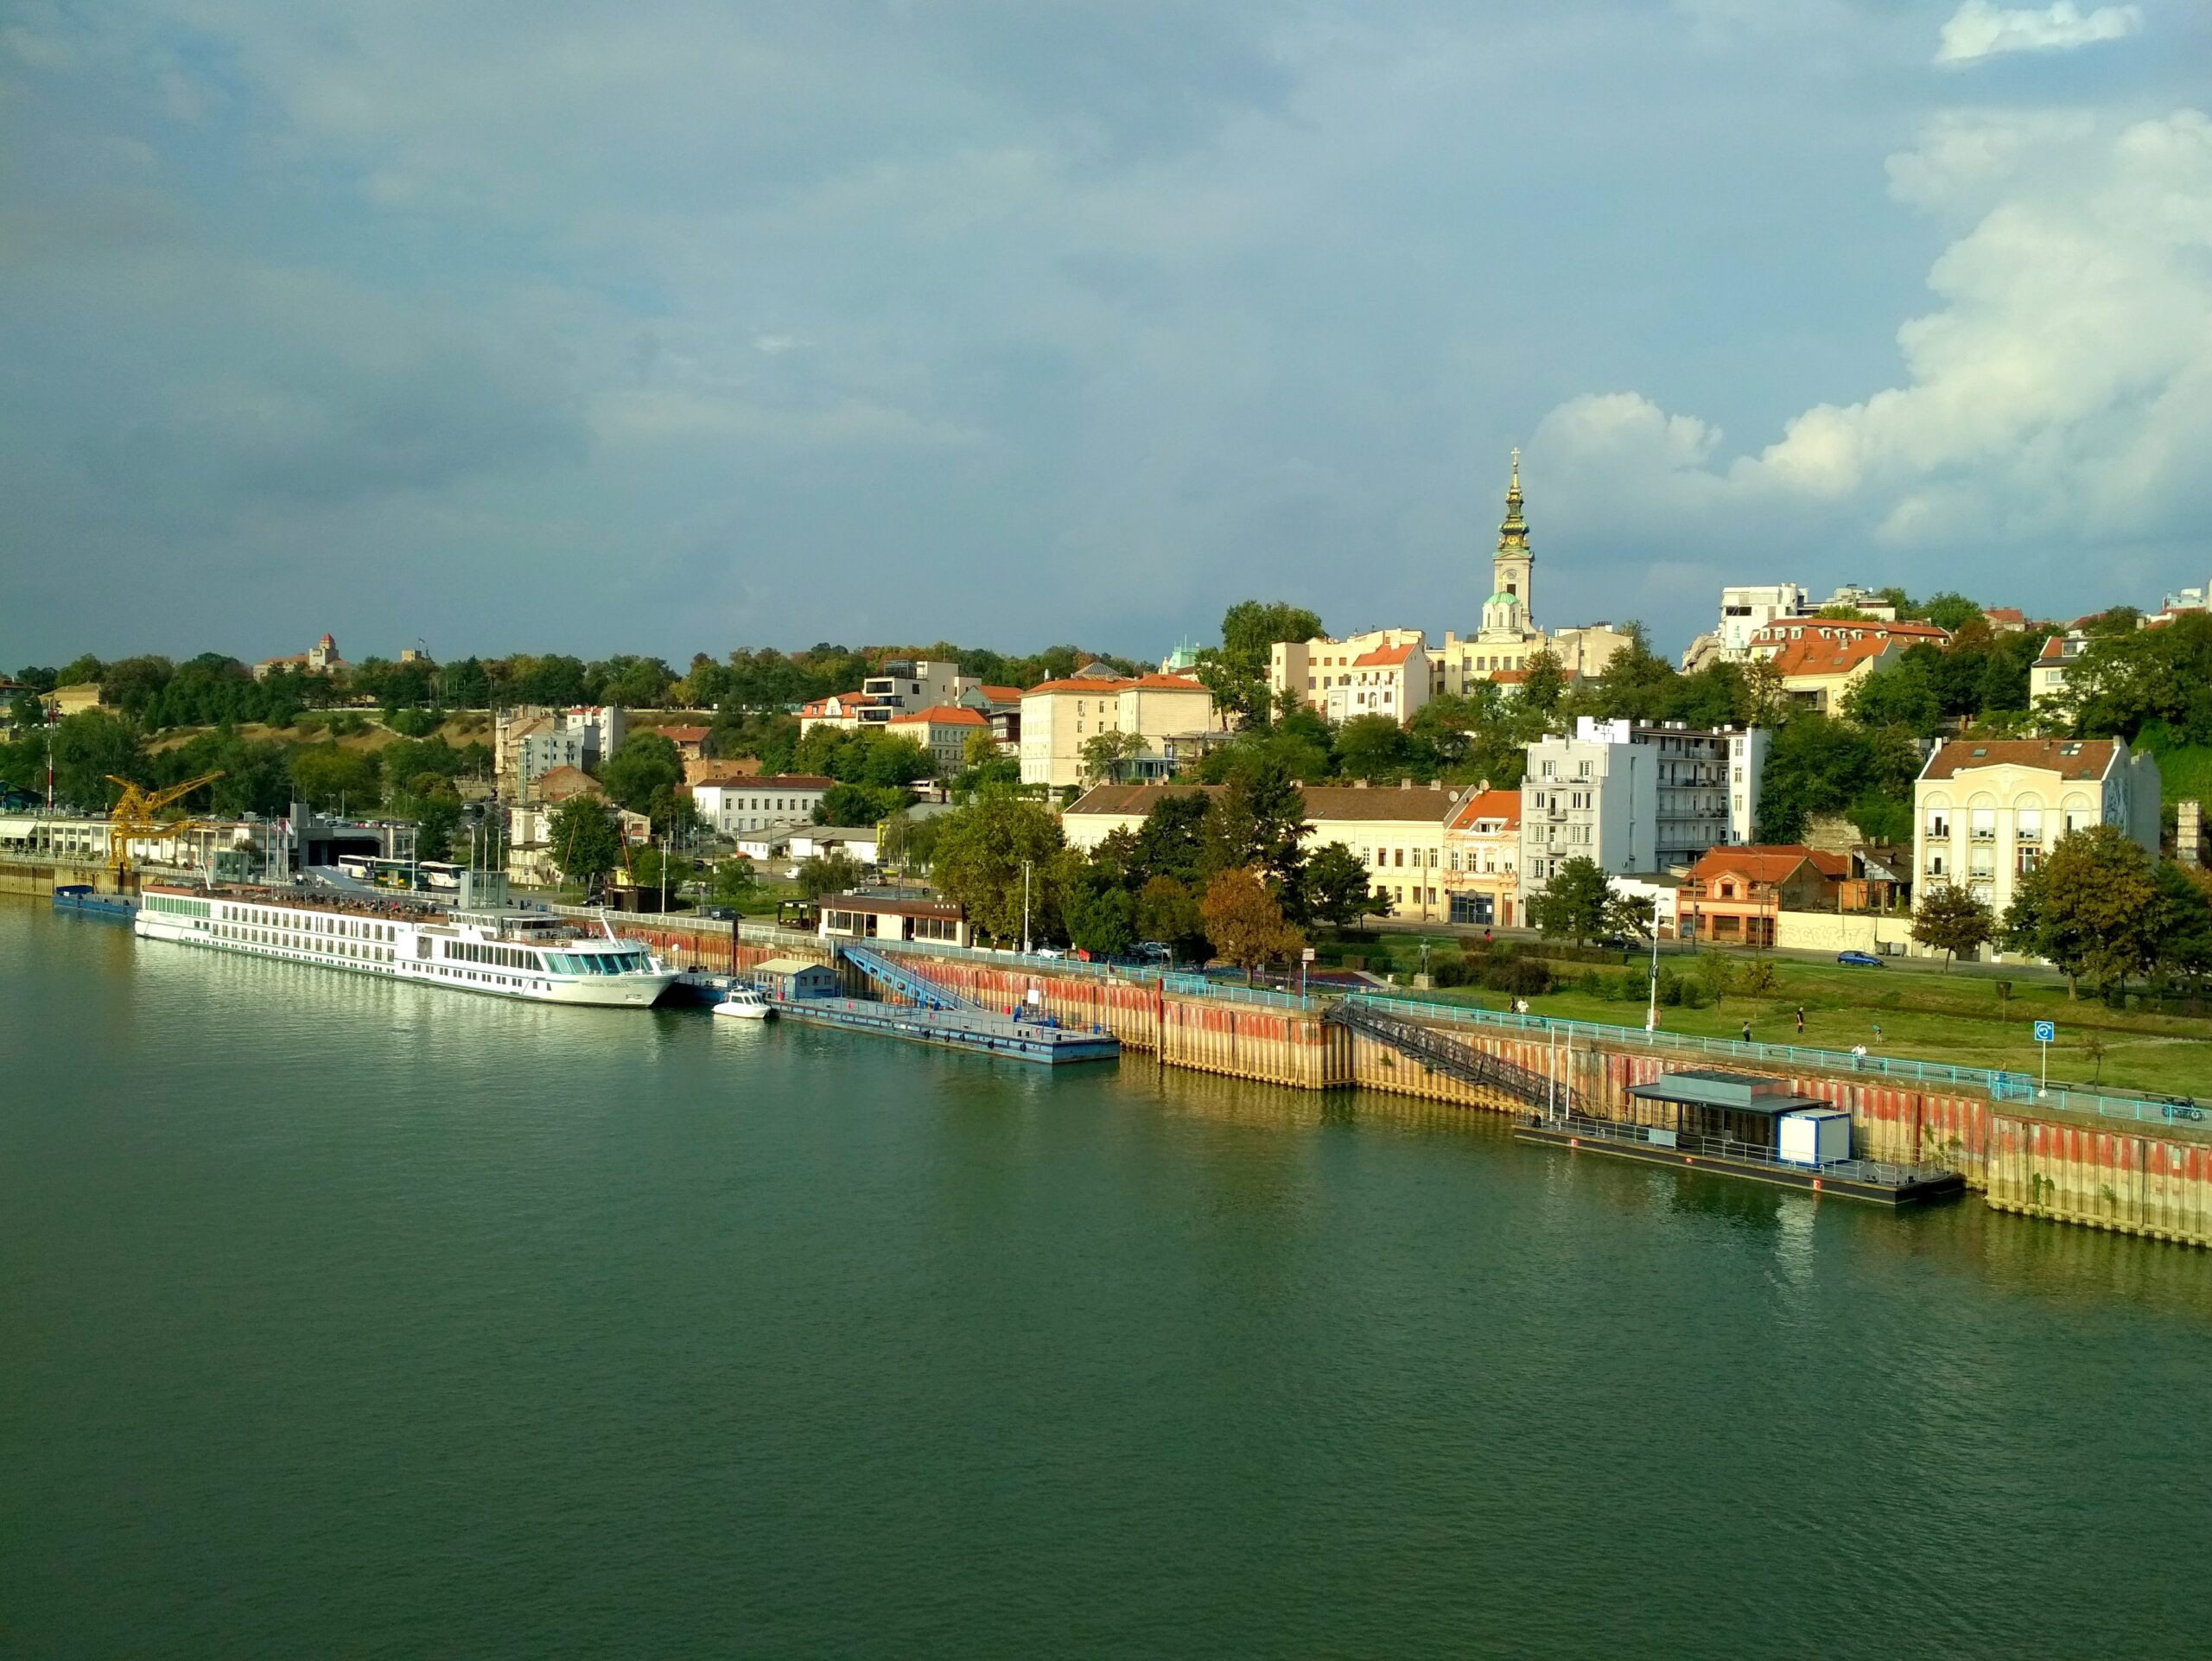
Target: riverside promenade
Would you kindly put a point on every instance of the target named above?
(2117, 1163)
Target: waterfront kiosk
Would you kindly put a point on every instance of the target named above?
(1707, 1110)
(788, 978)
(860, 917)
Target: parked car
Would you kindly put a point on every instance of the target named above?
(1859, 960)
(1146, 951)
(1050, 952)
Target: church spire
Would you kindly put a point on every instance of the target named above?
(1513, 534)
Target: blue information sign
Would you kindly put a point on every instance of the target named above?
(2046, 1032)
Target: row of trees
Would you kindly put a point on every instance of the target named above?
(2099, 908)
(1224, 873)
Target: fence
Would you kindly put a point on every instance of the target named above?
(2000, 1085)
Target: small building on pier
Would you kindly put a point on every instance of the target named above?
(892, 917)
(787, 979)
(1708, 1106)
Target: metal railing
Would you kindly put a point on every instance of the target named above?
(2001, 1085)
(1453, 1059)
(1627, 1133)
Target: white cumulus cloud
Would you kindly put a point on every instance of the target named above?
(1979, 29)
(2059, 396)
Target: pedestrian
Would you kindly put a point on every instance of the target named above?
(1857, 1057)
(1747, 1032)
(1878, 1032)
(1800, 1021)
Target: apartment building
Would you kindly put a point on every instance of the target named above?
(1636, 796)
(529, 741)
(1482, 858)
(1821, 658)
(942, 731)
(1985, 811)
(1381, 671)
(760, 803)
(1172, 714)
(2047, 674)
(907, 683)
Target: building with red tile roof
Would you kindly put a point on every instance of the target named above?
(1163, 722)
(1821, 658)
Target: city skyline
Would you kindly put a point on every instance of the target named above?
(694, 328)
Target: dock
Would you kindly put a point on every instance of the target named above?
(1873, 1181)
(979, 1032)
(81, 898)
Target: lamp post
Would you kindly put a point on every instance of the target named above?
(1025, 908)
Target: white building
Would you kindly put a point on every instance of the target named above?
(1381, 671)
(528, 741)
(2047, 674)
(1985, 812)
(1636, 797)
(908, 684)
(746, 805)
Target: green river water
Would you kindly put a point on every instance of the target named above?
(343, 1319)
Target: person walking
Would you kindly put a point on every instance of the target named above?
(1878, 1032)
(1800, 1021)
(1747, 1032)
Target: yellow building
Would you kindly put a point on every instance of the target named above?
(1166, 713)
(1985, 811)
(1821, 658)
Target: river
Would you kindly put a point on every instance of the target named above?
(341, 1317)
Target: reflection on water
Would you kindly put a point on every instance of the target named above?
(344, 1313)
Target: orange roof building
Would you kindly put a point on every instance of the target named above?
(1821, 658)
(1161, 722)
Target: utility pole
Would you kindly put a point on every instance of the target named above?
(1651, 1015)
(1025, 908)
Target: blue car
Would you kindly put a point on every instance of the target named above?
(1859, 960)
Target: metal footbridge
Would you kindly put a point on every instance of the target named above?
(1452, 1057)
(898, 979)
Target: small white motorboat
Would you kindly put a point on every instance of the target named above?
(745, 1003)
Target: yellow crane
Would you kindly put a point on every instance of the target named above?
(132, 818)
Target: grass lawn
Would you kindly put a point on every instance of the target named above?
(1927, 1015)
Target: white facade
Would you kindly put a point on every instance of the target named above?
(1747, 608)
(914, 683)
(1636, 797)
(746, 805)
(1058, 717)
(1985, 814)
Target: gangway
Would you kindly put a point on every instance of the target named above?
(903, 981)
(1452, 1057)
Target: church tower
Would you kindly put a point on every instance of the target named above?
(1508, 611)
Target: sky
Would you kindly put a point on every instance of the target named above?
(662, 326)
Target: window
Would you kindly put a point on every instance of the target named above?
(1981, 823)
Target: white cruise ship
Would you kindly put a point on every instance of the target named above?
(500, 952)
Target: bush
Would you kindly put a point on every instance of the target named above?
(1449, 969)
(1522, 977)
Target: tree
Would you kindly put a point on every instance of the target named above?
(2184, 947)
(1100, 915)
(90, 746)
(1236, 672)
(327, 776)
(1543, 684)
(1172, 840)
(834, 872)
(1376, 746)
(1951, 919)
(1633, 916)
(981, 849)
(1105, 756)
(646, 764)
(1168, 912)
(859, 805)
(1244, 923)
(1337, 887)
(1259, 820)
(734, 881)
(584, 843)
(2093, 907)
(1572, 904)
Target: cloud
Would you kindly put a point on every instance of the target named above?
(1978, 30)
(2056, 399)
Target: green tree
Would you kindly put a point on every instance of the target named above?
(834, 872)
(328, 777)
(1172, 840)
(1632, 916)
(1106, 756)
(1338, 888)
(1543, 684)
(734, 881)
(2093, 907)
(1572, 905)
(1378, 748)
(646, 764)
(859, 805)
(1099, 913)
(1260, 820)
(1167, 912)
(1948, 919)
(1236, 671)
(585, 845)
(88, 748)
(981, 849)
(1245, 923)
